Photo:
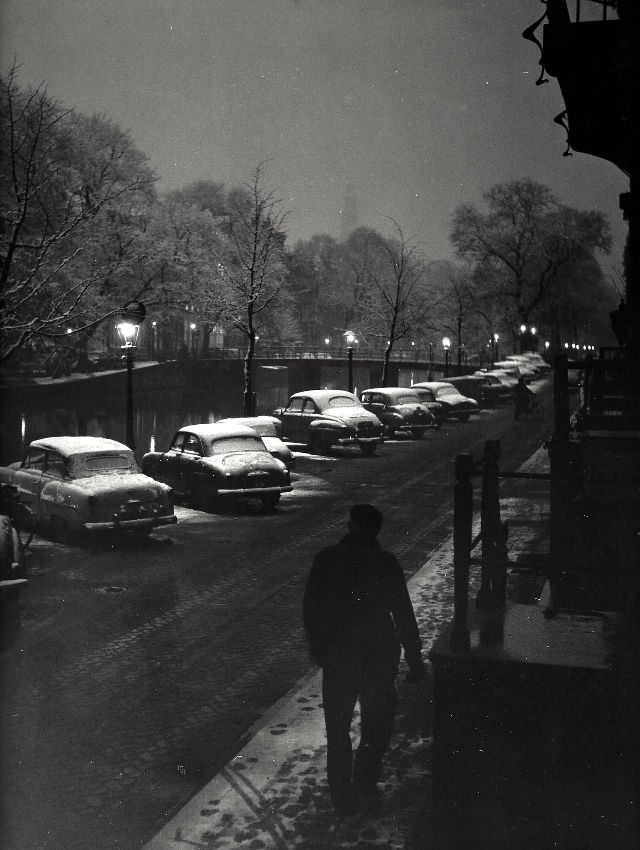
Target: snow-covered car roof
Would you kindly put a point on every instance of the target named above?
(265, 426)
(324, 395)
(69, 446)
(433, 385)
(213, 430)
(459, 378)
(392, 391)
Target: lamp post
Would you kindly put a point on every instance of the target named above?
(494, 348)
(128, 330)
(527, 336)
(154, 340)
(446, 344)
(350, 338)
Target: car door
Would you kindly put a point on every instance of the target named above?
(310, 412)
(51, 499)
(188, 463)
(29, 478)
(290, 418)
(375, 403)
(169, 462)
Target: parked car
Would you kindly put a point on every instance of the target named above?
(506, 378)
(533, 359)
(209, 461)
(500, 389)
(477, 387)
(436, 408)
(399, 409)
(457, 405)
(517, 369)
(74, 484)
(326, 418)
(269, 428)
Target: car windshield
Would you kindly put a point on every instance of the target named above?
(426, 395)
(447, 391)
(409, 398)
(84, 466)
(225, 445)
(339, 401)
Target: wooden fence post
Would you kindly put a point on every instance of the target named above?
(462, 527)
(489, 523)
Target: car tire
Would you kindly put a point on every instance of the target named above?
(368, 449)
(417, 433)
(270, 500)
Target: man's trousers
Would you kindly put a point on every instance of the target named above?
(344, 681)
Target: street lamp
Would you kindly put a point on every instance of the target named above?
(350, 338)
(154, 340)
(527, 333)
(193, 328)
(128, 330)
(494, 348)
(446, 344)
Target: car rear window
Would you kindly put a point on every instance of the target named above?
(407, 399)
(237, 444)
(83, 466)
(341, 401)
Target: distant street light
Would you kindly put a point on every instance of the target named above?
(494, 348)
(446, 344)
(527, 334)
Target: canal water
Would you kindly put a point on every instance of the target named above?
(166, 397)
(96, 406)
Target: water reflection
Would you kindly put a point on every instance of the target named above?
(156, 419)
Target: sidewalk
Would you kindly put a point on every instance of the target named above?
(273, 793)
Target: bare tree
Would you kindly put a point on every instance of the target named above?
(60, 176)
(255, 268)
(396, 300)
(526, 246)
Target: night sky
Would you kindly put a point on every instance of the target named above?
(417, 105)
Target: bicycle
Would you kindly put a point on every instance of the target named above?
(20, 515)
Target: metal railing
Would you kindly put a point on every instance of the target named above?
(493, 535)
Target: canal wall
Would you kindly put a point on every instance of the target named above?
(168, 395)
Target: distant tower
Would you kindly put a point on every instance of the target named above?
(348, 213)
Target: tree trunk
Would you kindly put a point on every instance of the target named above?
(249, 397)
(385, 366)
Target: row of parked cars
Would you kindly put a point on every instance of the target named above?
(73, 484)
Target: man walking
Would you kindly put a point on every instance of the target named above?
(357, 616)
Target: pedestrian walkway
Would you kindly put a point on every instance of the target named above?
(273, 794)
